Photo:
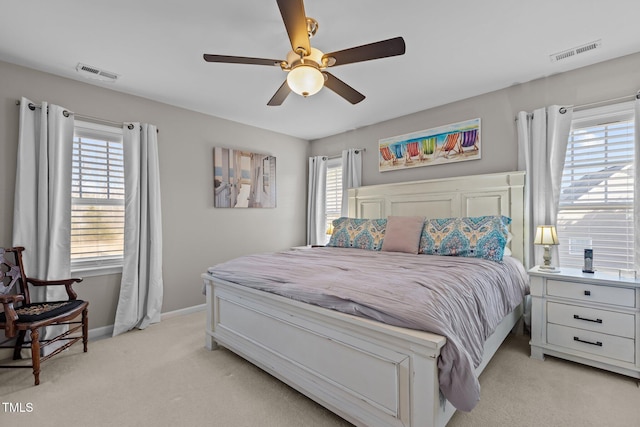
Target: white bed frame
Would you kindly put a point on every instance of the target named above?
(369, 373)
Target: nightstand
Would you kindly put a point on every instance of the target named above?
(589, 318)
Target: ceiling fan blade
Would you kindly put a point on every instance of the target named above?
(280, 95)
(342, 89)
(241, 60)
(295, 21)
(381, 49)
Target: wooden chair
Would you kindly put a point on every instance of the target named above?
(21, 315)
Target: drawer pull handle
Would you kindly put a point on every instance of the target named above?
(598, 343)
(575, 316)
(587, 293)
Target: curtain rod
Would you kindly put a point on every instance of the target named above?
(92, 119)
(340, 155)
(592, 104)
(607, 101)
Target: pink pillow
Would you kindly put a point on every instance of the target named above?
(403, 234)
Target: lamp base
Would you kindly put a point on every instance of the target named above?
(549, 269)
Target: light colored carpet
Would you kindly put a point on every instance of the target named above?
(163, 376)
(524, 392)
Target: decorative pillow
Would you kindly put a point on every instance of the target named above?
(358, 233)
(403, 234)
(507, 250)
(479, 237)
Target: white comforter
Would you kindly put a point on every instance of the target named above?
(462, 299)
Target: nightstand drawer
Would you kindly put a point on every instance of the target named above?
(604, 321)
(592, 342)
(624, 297)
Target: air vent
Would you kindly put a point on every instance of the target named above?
(575, 51)
(96, 73)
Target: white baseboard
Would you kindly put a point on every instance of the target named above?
(183, 311)
(107, 331)
(100, 333)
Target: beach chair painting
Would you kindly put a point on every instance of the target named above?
(427, 148)
(469, 140)
(413, 149)
(398, 150)
(451, 142)
(387, 156)
(455, 142)
(412, 152)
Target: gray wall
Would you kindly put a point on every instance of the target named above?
(196, 235)
(607, 80)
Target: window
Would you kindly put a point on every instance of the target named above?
(596, 199)
(333, 192)
(97, 198)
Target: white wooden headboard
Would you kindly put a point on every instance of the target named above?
(491, 194)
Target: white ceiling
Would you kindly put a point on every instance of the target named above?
(455, 49)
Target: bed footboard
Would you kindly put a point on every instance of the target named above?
(369, 373)
(366, 372)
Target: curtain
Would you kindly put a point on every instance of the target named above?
(351, 175)
(316, 203)
(542, 146)
(141, 288)
(42, 201)
(636, 196)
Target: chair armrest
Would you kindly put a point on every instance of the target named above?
(67, 283)
(10, 313)
(10, 299)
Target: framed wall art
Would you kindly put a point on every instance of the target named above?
(456, 142)
(243, 179)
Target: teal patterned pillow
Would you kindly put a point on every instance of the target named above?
(478, 237)
(358, 233)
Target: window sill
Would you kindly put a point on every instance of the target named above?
(90, 271)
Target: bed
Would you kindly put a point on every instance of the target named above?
(368, 372)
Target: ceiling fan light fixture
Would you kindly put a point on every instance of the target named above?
(305, 80)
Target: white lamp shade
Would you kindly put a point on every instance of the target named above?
(546, 235)
(305, 80)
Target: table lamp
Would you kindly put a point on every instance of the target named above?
(330, 229)
(546, 236)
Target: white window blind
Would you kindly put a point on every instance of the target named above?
(596, 199)
(97, 197)
(333, 192)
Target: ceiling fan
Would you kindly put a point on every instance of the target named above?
(306, 66)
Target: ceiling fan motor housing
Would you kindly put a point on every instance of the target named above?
(313, 59)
